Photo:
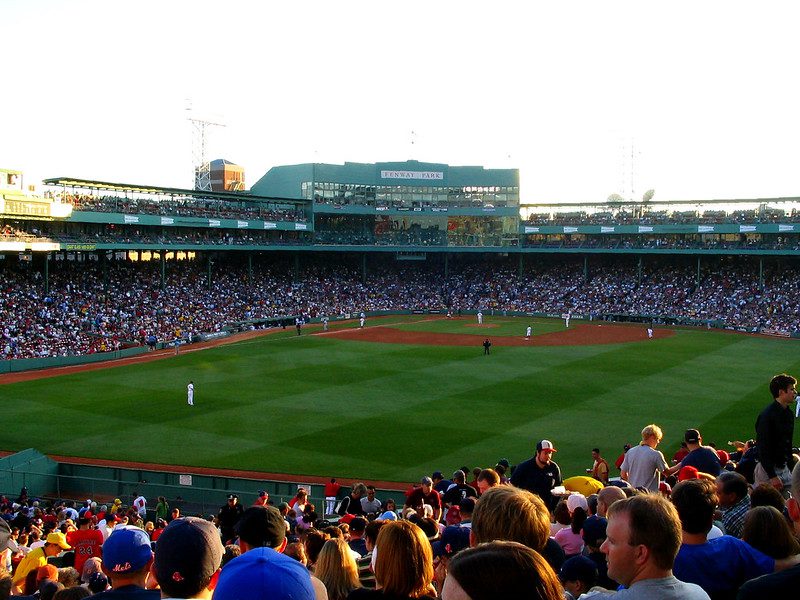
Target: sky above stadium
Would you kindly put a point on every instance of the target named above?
(700, 98)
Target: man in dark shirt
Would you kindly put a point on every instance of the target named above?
(539, 474)
(774, 432)
(228, 516)
(458, 491)
(440, 484)
(703, 458)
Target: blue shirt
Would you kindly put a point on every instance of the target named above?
(721, 565)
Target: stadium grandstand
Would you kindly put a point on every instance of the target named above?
(397, 236)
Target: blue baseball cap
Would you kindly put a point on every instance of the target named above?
(266, 574)
(454, 539)
(127, 549)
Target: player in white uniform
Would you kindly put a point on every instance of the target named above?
(190, 393)
(361, 319)
(528, 332)
(480, 318)
(650, 333)
(567, 317)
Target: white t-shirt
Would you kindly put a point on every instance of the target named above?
(140, 504)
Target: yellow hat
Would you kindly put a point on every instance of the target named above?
(117, 501)
(58, 539)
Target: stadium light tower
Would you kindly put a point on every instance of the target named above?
(200, 165)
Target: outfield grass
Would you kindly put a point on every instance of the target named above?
(316, 405)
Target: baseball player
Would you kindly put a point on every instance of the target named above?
(650, 333)
(361, 319)
(190, 393)
(480, 318)
(528, 332)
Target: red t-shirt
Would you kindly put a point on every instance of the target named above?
(332, 489)
(419, 497)
(86, 543)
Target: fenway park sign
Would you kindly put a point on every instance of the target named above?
(412, 175)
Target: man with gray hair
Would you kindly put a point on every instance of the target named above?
(783, 584)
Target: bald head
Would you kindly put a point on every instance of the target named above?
(606, 497)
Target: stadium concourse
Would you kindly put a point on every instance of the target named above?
(99, 304)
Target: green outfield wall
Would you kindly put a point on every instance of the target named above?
(193, 493)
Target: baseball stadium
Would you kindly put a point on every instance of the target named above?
(373, 323)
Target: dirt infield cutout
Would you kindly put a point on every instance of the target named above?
(581, 334)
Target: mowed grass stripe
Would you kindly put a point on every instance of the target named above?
(318, 405)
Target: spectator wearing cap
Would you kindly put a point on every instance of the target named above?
(228, 516)
(425, 495)
(440, 484)
(454, 539)
(594, 534)
(643, 464)
(539, 474)
(734, 501)
(266, 574)
(98, 582)
(127, 559)
(569, 538)
(578, 575)
(261, 526)
(703, 458)
(188, 555)
(262, 499)
(55, 544)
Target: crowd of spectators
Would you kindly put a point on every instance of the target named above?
(184, 207)
(92, 307)
(649, 216)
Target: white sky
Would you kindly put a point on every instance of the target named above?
(707, 90)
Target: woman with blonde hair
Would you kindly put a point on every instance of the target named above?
(403, 564)
(337, 569)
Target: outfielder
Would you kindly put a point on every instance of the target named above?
(190, 393)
